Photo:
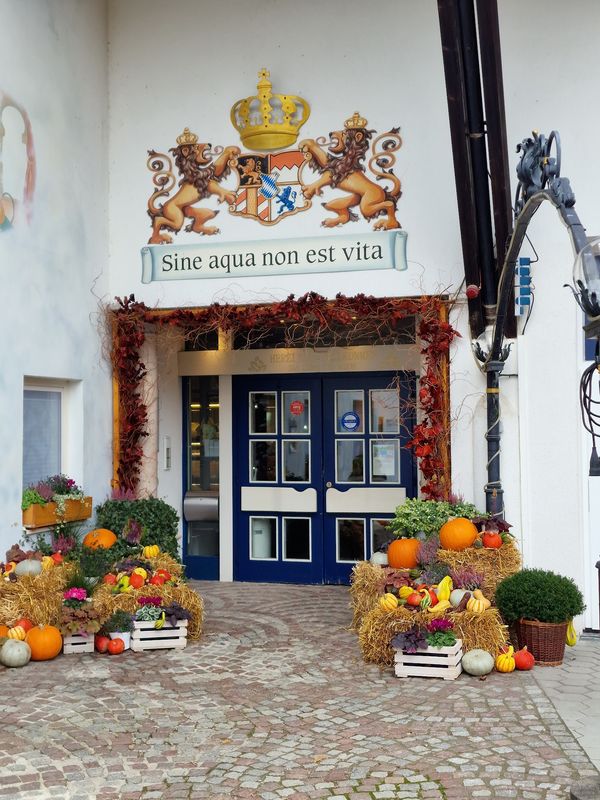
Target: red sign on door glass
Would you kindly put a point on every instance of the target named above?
(296, 407)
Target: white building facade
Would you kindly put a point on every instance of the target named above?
(104, 83)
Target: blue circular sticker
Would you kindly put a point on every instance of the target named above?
(350, 421)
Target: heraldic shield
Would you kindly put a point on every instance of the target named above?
(270, 186)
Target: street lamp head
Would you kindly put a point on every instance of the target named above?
(586, 278)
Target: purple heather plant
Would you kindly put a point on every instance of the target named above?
(132, 532)
(428, 551)
(122, 494)
(466, 578)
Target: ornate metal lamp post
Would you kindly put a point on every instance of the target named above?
(586, 288)
(539, 180)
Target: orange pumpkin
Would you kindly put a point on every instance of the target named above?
(99, 538)
(3, 630)
(457, 534)
(402, 553)
(45, 642)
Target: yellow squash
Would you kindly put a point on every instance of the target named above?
(505, 662)
(388, 601)
(444, 588)
(151, 551)
(478, 595)
(440, 607)
(571, 634)
(405, 591)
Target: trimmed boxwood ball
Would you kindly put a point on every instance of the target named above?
(158, 519)
(538, 594)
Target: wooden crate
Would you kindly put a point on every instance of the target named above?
(434, 662)
(146, 637)
(78, 644)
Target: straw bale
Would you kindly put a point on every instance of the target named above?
(165, 561)
(494, 565)
(380, 626)
(107, 603)
(37, 597)
(365, 588)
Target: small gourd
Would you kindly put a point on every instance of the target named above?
(17, 633)
(388, 601)
(478, 595)
(28, 567)
(378, 557)
(478, 662)
(505, 662)
(524, 659)
(475, 606)
(456, 597)
(152, 550)
(15, 653)
(47, 562)
(405, 591)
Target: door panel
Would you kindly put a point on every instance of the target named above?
(320, 464)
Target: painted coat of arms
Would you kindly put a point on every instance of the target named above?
(275, 185)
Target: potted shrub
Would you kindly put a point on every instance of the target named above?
(119, 626)
(53, 500)
(538, 605)
(415, 521)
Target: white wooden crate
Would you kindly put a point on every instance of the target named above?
(145, 636)
(76, 643)
(434, 662)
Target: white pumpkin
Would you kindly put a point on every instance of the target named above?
(28, 567)
(478, 662)
(456, 595)
(14, 653)
(379, 558)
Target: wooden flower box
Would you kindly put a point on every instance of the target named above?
(41, 516)
(434, 662)
(146, 637)
(77, 643)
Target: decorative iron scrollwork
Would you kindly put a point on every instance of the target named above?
(539, 169)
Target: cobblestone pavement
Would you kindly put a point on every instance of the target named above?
(575, 691)
(275, 702)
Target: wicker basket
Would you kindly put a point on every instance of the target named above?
(545, 640)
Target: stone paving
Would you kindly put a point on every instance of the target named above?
(275, 702)
(575, 691)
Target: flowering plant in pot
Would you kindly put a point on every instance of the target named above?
(539, 605)
(55, 499)
(119, 626)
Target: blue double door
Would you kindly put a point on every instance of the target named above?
(320, 464)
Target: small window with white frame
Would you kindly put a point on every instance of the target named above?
(44, 431)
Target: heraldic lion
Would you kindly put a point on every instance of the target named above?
(342, 168)
(199, 179)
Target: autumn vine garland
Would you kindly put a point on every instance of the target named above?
(305, 319)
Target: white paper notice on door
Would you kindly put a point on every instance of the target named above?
(385, 461)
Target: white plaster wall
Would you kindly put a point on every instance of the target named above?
(53, 60)
(187, 66)
(553, 88)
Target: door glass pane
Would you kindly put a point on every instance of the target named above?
(380, 534)
(203, 433)
(263, 537)
(349, 411)
(385, 411)
(295, 409)
(263, 460)
(385, 461)
(263, 412)
(203, 539)
(349, 461)
(350, 539)
(296, 539)
(296, 461)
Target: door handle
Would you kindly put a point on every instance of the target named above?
(328, 485)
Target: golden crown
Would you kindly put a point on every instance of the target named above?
(187, 137)
(269, 121)
(356, 121)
